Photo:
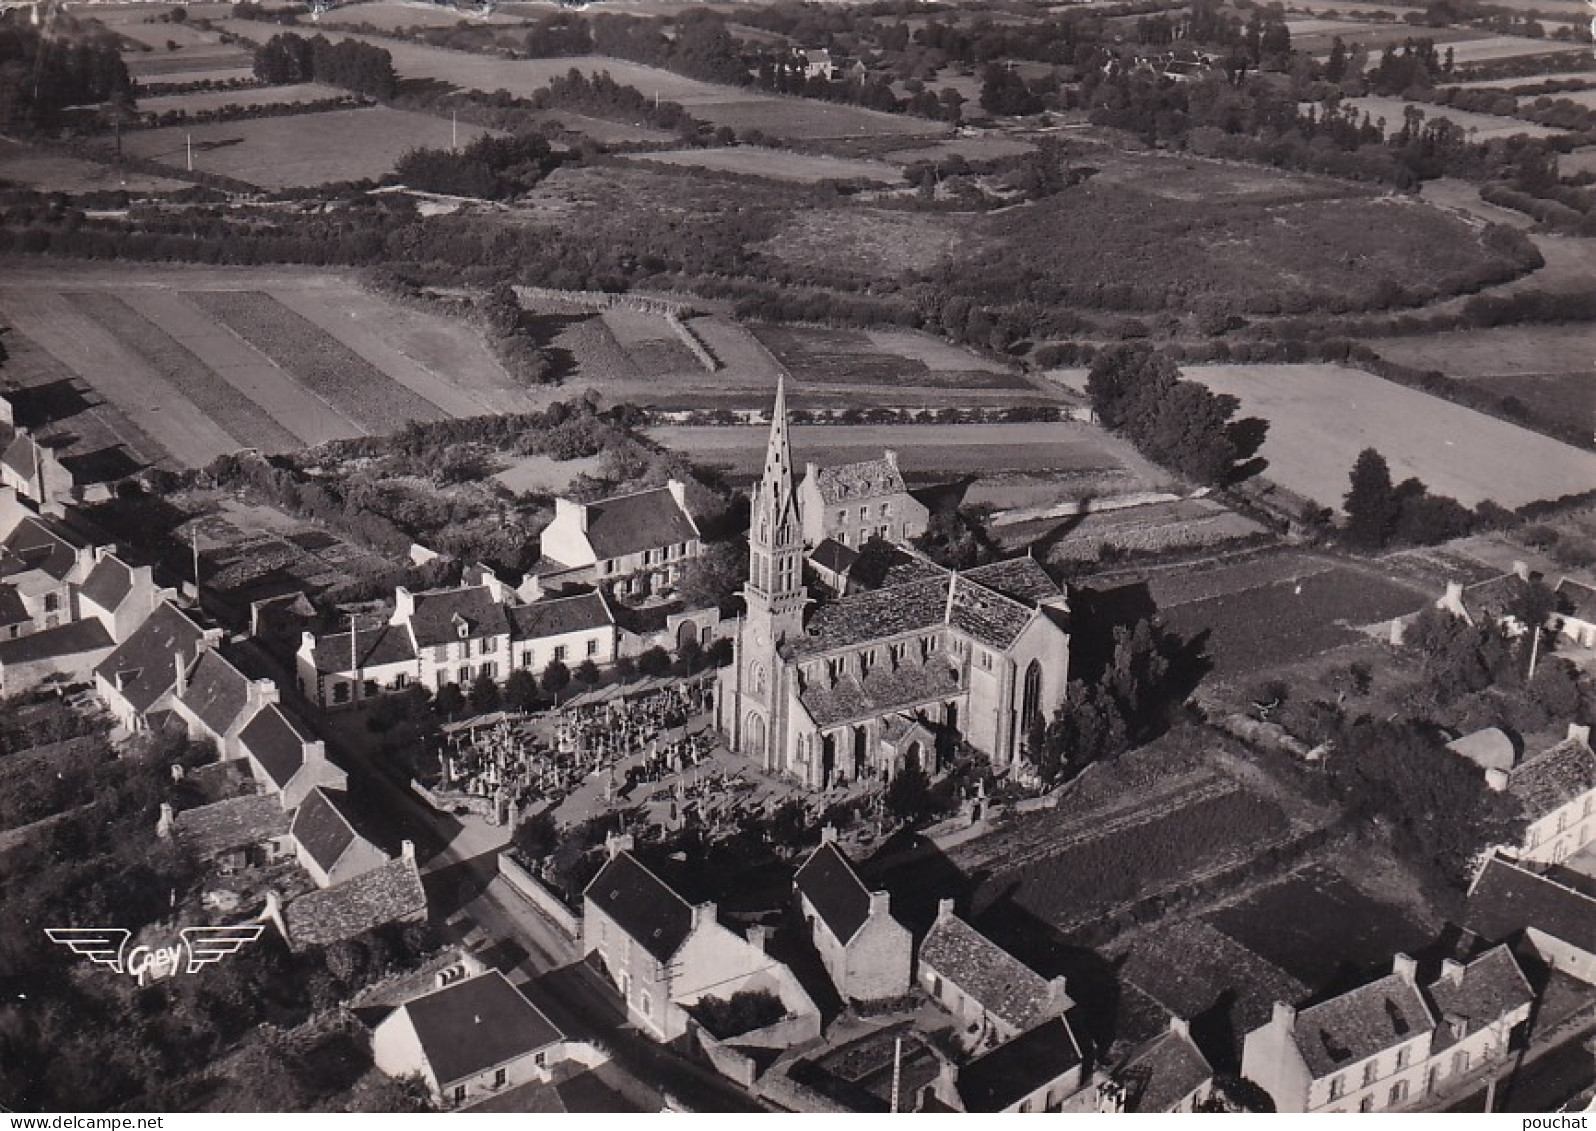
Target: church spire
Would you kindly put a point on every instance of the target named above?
(775, 591)
(776, 487)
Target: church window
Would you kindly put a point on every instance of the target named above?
(758, 678)
(1031, 703)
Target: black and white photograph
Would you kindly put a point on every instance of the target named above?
(842, 557)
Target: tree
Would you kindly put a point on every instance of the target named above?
(537, 836)
(908, 795)
(450, 701)
(484, 696)
(587, 673)
(520, 690)
(715, 577)
(1371, 503)
(654, 662)
(556, 677)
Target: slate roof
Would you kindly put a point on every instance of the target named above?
(555, 616)
(389, 644)
(1507, 898)
(630, 524)
(833, 888)
(237, 822)
(1578, 598)
(477, 1024)
(1162, 1073)
(1487, 989)
(986, 615)
(12, 610)
(434, 619)
(322, 828)
(884, 688)
(385, 894)
(108, 583)
(217, 691)
(43, 544)
(1021, 579)
(1017, 1068)
(146, 660)
(642, 905)
(276, 743)
(832, 555)
(75, 638)
(1548, 780)
(876, 614)
(1000, 983)
(1360, 1023)
(1491, 597)
(851, 482)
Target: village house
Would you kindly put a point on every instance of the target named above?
(35, 472)
(855, 502)
(287, 762)
(233, 834)
(1509, 900)
(868, 954)
(68, 653)
(1556, 791)
(1039, 1070)
(118, 595)
(143, 674)
(992, 995)
(327, 842)
(42, 562)
(472, 1037)
(1576, 602)
(391, 893)
(1393, 1044)
(635, 544)
(1167, 1074)
(438, 637)
(216, 700)
(1488, 601)
(663, 954)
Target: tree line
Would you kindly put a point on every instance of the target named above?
(41, 76)
(349, 63)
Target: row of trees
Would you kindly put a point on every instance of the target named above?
(1380, 513)
(349, 63)
(490, 168)
(1179, 423)
(41, 76)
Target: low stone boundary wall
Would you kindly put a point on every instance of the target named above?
(549, 905)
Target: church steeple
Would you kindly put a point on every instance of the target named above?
(775, 590)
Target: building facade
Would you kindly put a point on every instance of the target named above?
(635, 544)
(855, 502)
(868, 955)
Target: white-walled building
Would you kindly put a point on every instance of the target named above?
(636, 543)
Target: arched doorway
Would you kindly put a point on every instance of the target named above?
(754, 736)
(950, 715)
(828, 759)
(686, 633)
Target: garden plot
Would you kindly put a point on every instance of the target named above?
(1151, 529)
(649, 343)
(1321, 416)
(758, 161)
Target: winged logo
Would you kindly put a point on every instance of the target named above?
(212, 944)
(105, 945)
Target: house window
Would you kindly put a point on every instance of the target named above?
(592, 647)
(559, 652)
(526, 659)
(52, 602)
(864, 514)
(440, 654)
(1337, 1087)
(371, 688)
(644, 1002)
(401, 681)
(1562, 821)
(540, 1059)
(1399, 1094)
(459, 1094)
(1402, 1059)
(500, 1076)
(1460, 1062)
(1025, 1104)
(490, 669)
(490, 645)
(1366, 1103)
(464, 675)
(340, 692)
(936, 986)
(886, 510)
(1370, 1072)
(842, 516)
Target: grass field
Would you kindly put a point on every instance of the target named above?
(923, 449)
(1321, 416)
(757, 161)
(602, 130)
(983, 148)
(847, 357)
(854, 239)
(200, 101)
(302, 149)
(388, 15)
(1157, 527)
(184, 365)
(1479, 127)
(51, 172)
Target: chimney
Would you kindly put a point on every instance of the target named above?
(617, 843)
(472, 965)
(1579, 732)
(1496, 780)
(404, 605)
(678, 491)
(407, 850)
(810, 471)
(261, 692)
(182, 674)
(490, 581)
(570, 511)
(704, 913)
(1179, 1026)
(828, 834)
(1521, 571)
(880, 904)
(210, 638)
(1452, 971)
(756, 937)
(273, 913)
(1059, 1001)
(163, 827)
(944, 908)
(1284, 1016)
(891, 456)
(1405, 968)
(315, 751)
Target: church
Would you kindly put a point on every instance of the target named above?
(877, 680)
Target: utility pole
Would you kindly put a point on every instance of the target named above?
(190, 138)
(454, 131)
(897, 1071)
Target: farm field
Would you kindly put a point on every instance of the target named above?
(1527, 80)
(602, 130)
(188, 364)
(1277, 610)
(845, 357)
(1479, 127)
(1512, 46)
(758, 161)
(387, 15)
(302, 149)
(1321, 416)
(189, 65)
(1579, 161)
(986, 147)
(1321, 929)
(721, 105)
(924, 450)
(855, 240)
(1156, 527)
(1316, 35)
(51, 172)
(200, 101)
